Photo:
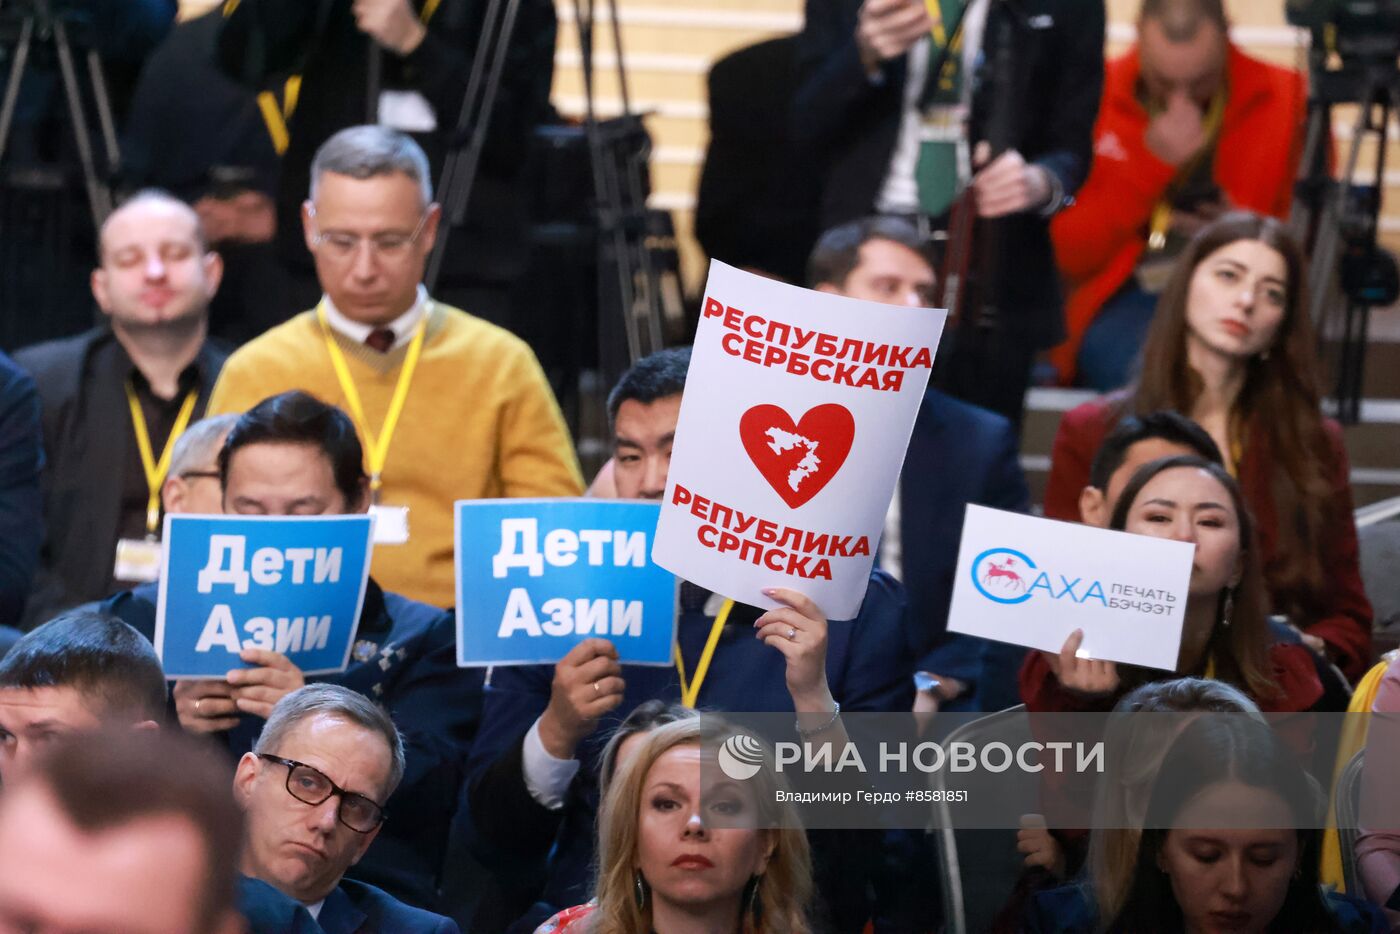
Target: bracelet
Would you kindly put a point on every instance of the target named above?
(1056, 198)
(821, 729)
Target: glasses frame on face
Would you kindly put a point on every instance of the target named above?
(199, 475)
(347, 245)
(335, 791)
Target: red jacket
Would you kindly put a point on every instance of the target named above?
(1099, 238)
(1346, 623)
(1294, 673)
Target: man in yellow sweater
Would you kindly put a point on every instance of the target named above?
(448, 406)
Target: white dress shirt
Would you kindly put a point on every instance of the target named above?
(546, 778)
(900, 192)
(402, 326)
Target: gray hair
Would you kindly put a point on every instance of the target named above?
(370, 151)
(199, 445)
(337, 701)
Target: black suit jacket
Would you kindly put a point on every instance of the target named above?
(405, 659)
(757, 201)
(87, 436)
(853, 120)
(958, 455)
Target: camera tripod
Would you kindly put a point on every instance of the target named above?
(1340, 219)
(34, 22)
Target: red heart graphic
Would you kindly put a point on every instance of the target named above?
(798, 460)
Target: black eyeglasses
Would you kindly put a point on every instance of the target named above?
(205, 474)
(310, 786)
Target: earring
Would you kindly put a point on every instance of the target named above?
(1229, 606)
(639, 889)
(753, 906)
(1264, 356)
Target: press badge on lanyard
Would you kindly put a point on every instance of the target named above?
(390, 522)
(138, 559)
(409, 112)
(943, 123)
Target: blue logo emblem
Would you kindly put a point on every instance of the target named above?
(1002, 575)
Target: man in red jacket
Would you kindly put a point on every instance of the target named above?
(1189, 126)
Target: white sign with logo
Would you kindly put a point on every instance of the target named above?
(1032, 582)
(797, 411)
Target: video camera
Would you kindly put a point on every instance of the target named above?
(1362, 30)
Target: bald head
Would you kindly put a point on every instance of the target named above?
(145, 204)
(1182, 47)
(154, 266)
(1180, 20)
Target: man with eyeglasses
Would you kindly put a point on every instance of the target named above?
(313, 790)
(293, 454)
(450, 406)
(115, 399)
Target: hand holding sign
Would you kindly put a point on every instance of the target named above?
(537, 578)
(1065, 589)
(798, 631)
(587, 684)
(257, 690)
(797, 411)
(290, 586)
(205, 706)
(1084, 675)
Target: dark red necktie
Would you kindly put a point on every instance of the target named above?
(380, 339)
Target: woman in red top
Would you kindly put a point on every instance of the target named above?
(1231, 346)
(1225, 633)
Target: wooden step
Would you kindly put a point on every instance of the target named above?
(1373, 447)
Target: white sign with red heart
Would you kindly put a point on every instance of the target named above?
(797, 412)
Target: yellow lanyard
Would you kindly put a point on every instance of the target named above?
(155, 471)
(940, 40)
(276, 115)
(1162, 214)
(690, 692)
(376, 446)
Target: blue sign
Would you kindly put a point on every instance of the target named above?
(535, 577)
(289, 584)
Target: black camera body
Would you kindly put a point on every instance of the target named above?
(1365, 30)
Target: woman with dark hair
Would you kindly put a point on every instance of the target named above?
(1230, 843)
(1225, 634)
(1231, 346)
(1100, 862)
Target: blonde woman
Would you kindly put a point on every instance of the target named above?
(681, 848)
